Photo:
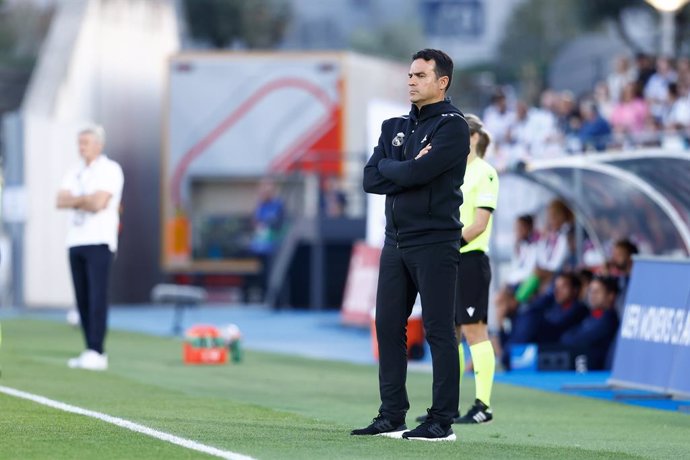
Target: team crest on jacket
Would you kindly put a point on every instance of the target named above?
(398, 139)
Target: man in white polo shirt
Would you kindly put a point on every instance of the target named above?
(91, 191)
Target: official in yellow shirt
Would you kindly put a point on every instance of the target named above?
(480, 197)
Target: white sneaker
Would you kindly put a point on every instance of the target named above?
(74, 362)
(90, 360)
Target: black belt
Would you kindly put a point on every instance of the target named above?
(475, 253)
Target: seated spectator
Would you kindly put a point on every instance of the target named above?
(519, 135)
(554, 251)
(594, 131)
(629, 116)
(619, 267)
(524, 257)
(603, 100)
(656, 89)
(622, 74)
(547, 141)
(677, 117)
(621, 262)
(594, 336)
(522, 265)
(644, 68)
(643, 106)
(592, 255)
(563, 309)
(585, 276)
(553, 247)
(545, 319)
(683, 71)
(498, 118)
(566, 111)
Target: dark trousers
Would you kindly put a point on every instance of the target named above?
(90, 271)
(432, 271)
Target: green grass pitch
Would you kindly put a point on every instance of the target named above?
(274, 406)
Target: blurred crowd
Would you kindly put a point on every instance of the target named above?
(551, 299)
(643, 102)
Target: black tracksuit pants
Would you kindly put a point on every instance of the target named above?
(90, 266)
(432, 271)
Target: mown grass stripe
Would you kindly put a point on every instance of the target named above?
(187, 443)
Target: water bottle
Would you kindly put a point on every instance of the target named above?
(581, 364)
(235, 351)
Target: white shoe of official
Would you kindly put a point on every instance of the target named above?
(74, 362)
(90, 360)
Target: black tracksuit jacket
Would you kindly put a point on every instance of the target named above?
(423, 196)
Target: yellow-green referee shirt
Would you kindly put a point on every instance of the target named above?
(480, 190)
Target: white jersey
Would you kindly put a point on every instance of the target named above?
(523, 262)
(553, 249)
(92, 228)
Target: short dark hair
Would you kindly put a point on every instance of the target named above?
(572, 279)
(609, 282)
(628, 246)
(498, 95)
(585, 275)
(559, 206)
(527, 219)
(444, 64)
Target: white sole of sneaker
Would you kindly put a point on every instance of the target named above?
(474, 424)
(393, 434)
(76, 364)
(452, 437)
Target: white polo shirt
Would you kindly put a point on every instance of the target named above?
(553, 249)
(91, 228)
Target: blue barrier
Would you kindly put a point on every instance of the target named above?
(653, 347)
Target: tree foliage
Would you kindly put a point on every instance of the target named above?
(536, 31)
(539, 28)
(394, 41)
(596, 12)
(23, 26)
(252, 24)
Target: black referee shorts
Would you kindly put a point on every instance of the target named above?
(472, 288)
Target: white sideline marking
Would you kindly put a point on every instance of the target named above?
(188, 443)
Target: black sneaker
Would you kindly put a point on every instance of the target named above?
(430, 430)
(423, 418)
(479, 413)
(381, 426)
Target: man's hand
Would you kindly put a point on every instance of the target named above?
(423, 152)
(94, 202)
(65, 200)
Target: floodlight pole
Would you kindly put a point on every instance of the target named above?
(667, 9)
(668, 33)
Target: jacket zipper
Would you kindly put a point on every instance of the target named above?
(397, 241)
(428, 205)
(405, 150)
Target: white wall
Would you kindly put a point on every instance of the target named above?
(103, 60)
